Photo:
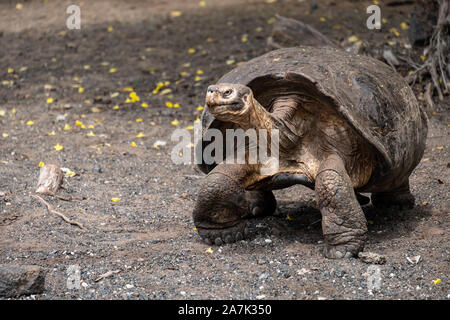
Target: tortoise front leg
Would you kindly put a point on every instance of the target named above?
(223, 203)
(343, 222)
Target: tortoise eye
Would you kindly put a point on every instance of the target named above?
(227, 93)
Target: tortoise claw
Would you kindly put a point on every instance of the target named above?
(225, 235)
(341, 251)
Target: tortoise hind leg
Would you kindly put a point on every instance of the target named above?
(400, 198)
(343, 222)
(261, 203)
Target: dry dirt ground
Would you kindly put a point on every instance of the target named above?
(148, 236)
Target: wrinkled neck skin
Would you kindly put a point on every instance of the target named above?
(279, 115)
(254, 115)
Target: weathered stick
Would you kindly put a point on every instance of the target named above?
(106, 275)
(50, 179)
(50, 209)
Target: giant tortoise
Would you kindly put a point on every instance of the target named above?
(347, 124)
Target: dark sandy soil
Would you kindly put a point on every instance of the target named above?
(148, 236)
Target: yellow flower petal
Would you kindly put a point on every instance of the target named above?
(133, 144)
(175, 14)
(58, 147)
(353, 39)
(30, 123)
(209, 250)
(115, 199)
(175, 122)
(112, 70)
(41, 164)
(140, 135)
(50, 100)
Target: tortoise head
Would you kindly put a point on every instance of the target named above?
(228, 101)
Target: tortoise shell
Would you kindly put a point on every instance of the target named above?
(372, 98)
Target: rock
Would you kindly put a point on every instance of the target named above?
(303, 271)
(413, 260)
(16, 280)
(263, 276)
(390, 58)
(97, 169)
(372, 258)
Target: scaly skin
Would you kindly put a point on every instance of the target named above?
(223, 203)
(343, 223)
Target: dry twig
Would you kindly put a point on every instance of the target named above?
(106, 275)
(436, 62)
(50, 209)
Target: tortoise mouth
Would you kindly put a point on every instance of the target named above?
(216, 106)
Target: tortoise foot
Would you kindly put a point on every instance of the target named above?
(342, 251)
(343, 222)
(222, 205)
(223, 235)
